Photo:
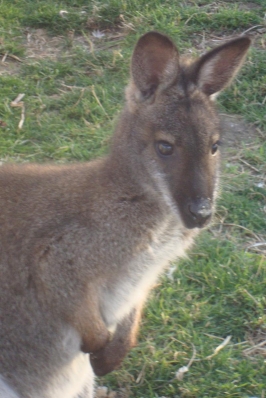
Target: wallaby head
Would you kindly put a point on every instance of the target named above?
(171, 121)
(81, 245)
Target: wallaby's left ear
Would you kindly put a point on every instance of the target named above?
(215, 69)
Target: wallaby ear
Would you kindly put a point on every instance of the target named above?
(215, 70)
(154, 63)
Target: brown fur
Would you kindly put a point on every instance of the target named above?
(82, 244)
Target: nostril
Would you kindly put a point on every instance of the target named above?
(192, 210)
(200, 209)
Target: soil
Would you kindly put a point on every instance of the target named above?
(235, 130)
(40, 45)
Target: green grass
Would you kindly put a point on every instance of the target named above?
(72, 100)
(253, 87)
(211, 295)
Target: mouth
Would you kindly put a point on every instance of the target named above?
(193, 222)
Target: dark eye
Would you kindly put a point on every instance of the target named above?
(164, 148)
(215, 147)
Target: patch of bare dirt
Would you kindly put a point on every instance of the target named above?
(9, 66)
(40, 45)
(257, 344)
(249, 6)
(236, 130)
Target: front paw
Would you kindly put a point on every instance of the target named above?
(105, 361)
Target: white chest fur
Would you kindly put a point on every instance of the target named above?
(74, 380)
(167, 243)
(72, 375)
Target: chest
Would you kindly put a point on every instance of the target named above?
(140, 274)
(59, 369)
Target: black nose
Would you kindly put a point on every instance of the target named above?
(200, 210)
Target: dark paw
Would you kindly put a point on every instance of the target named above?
(102, 364)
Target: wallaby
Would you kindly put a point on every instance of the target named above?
(82, 244)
